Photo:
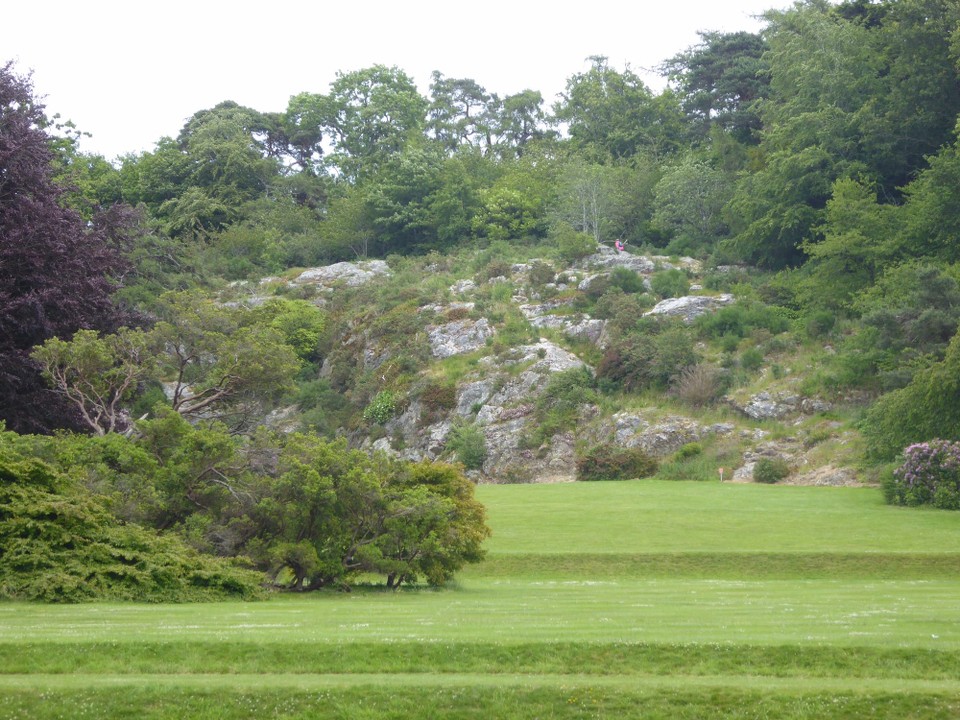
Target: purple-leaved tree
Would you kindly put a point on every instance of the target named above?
(57, 272)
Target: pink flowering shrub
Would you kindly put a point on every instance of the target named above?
(929, 475)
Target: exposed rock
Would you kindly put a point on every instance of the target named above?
(461, 287)
(690, 307)
(474, 395)
(828, 475)
(458, 337)
(786, 449)
(534, 311)
(665, 436)
(345, 273)
(608, 258)
(283, 419)
(579, 327)
(778, 405)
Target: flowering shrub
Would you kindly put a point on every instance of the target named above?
(381, 408)
(929, 475)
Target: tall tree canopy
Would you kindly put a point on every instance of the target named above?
(57, 271)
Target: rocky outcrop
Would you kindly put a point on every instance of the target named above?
(690, 307)
(578, 326)
(343, 273)
(778, 405)
(458, 337)
(658, 437)
(608, 258)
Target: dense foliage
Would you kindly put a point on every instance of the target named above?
(61, 544)
(929, 475)
(812, 168)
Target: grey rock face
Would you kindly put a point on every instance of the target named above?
(662, 437)
(458, 337)
(346, 273)
(690, 307)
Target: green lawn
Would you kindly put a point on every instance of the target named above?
(634, 599)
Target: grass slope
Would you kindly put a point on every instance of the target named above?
(637, 599)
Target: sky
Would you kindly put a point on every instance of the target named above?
(129, 72)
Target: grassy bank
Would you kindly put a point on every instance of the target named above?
(617, 600)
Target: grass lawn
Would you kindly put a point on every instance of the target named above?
(634, 599)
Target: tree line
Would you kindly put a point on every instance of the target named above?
(820, 152)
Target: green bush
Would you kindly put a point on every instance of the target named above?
(381, 408)
(627, 280)
(637, 361)
(573, 245)
(58, 544)
(751, 359)
(742, 318)
(670, 283)
(469, 445)
(612, 462)
(558, 405)
(770, 470)
(820, 323)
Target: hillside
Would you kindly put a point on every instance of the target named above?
(493, 363)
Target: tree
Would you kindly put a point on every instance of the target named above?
(57, 272)
(927, 408)
(613, 115)
(858, 241)
(368, 116)
(688, 202)
(216, 364)
(459, 112)
(720, 81)
(98, 375)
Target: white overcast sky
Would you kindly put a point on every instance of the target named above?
(130, 72)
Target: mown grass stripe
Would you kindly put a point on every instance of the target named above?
(560, 700)
(740, 566)
(631, 682)
(593, 659)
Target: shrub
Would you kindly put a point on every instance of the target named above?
(541, 273)
(627, 280)
(612, 462)
(381, 408)
(469, 444)
(820, 323)
(770, 470)
(573, 245)
(558, 405)
(929, 475)
(637, 362)
(669, 283)
(439, 396)
(751, 359)
(700, 384)
(742, 318)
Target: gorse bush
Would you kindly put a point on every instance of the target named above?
(612, 462)
(929, 475)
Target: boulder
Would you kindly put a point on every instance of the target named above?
(690, 307)
(344, 273)
(458, 337)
